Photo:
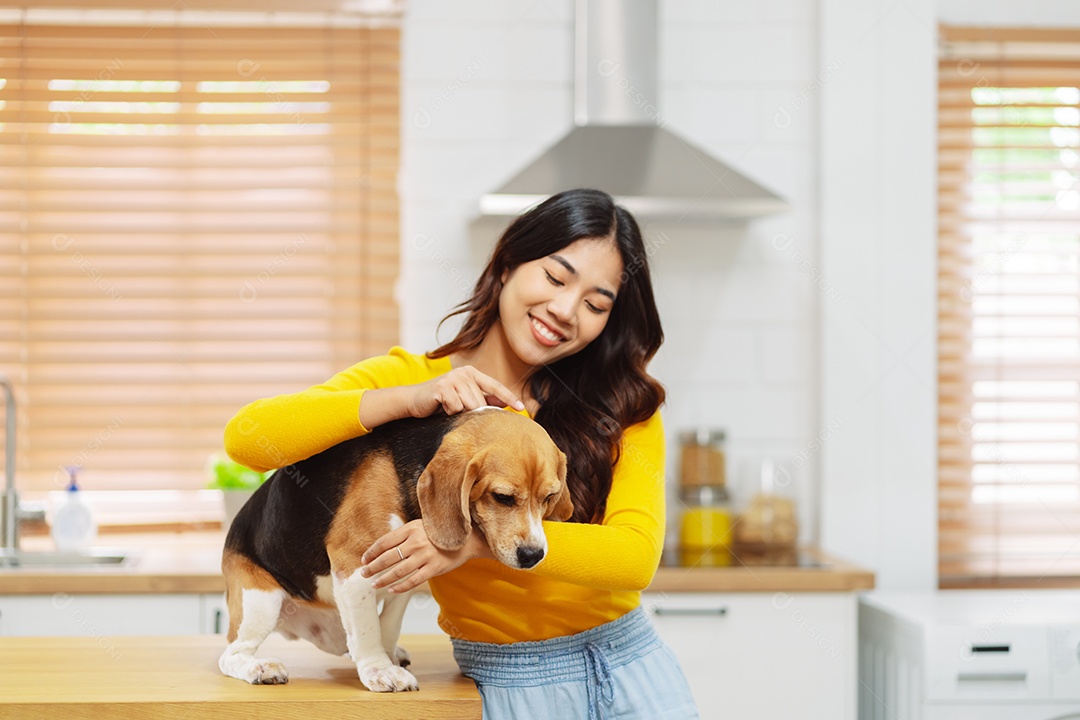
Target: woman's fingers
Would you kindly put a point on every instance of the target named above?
(412, 579)
(492, 388)
(394, 572)
(386, 543)
(467, 388)
(381, 562)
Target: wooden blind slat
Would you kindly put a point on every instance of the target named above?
(190, 218)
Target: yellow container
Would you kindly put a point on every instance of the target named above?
(705, 537)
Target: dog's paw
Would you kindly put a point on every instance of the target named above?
(401, 656)
(267, 672)
(388, 679)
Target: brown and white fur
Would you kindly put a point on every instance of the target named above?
(292, 555)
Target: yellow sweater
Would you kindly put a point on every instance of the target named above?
(592, 573)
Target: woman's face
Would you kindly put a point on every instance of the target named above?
(554, 306)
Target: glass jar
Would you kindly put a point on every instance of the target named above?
(702, 461)
(705, 535)
(705, 532)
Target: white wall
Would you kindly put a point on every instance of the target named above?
(1030, 13)
(487, 85)
(878, 245)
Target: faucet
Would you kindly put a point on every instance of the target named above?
(11, 514)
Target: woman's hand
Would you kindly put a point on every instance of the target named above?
(418, 561)
(463, 388)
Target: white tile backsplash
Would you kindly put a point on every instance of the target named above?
(750, 56)
(505, 51)
(728, 114)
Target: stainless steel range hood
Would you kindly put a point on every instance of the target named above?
(620, 144)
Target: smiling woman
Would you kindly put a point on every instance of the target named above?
(194, 214)
(556, 328)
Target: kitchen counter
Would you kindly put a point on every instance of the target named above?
(178, 677)
(190, 562)
(810, 571)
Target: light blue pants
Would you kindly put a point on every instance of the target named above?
(619, 670)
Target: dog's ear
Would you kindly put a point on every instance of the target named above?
(563, 507)
(443, 493)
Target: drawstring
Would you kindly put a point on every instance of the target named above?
(598, 679)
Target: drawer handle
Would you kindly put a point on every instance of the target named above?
(217, 621)
(990, 648)
(689, 612)
(992, 677)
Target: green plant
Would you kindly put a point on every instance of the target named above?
(226, 474)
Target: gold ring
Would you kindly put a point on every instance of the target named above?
(398, 548)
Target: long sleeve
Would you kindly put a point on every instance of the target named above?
(284, 429)
(624, 551)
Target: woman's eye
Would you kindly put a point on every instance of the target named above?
(551, 278)
(507, 500)
(594, 308)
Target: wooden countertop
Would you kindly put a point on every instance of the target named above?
(826, 574)
(189, 562)
(177, 677)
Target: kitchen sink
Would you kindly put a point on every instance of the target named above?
(95, 557)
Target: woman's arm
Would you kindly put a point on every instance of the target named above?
(284, 429)
(623, 552)
(277, 431)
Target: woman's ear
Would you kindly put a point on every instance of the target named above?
(563, 507)
(443, 493)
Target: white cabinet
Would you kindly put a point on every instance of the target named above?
(422, 617)
(98, 615)
(213, 614)
(151, 614)
(763, 655)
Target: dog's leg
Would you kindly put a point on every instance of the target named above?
(260, 612)
(359, 615)
(393, 612)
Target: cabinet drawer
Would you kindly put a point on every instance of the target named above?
(98, 615)
(763, 655)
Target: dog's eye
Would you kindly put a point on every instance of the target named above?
(507, 500)
(549, 498)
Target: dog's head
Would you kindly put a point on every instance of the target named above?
(501, 472)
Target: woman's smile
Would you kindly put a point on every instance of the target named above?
(544, 334)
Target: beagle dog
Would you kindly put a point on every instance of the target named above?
(292, 555)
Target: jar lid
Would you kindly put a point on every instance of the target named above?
(704, 495)
(702, 436)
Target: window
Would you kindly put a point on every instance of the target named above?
(192, 217)
(1009, 307)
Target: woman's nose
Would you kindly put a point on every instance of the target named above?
(562, 307)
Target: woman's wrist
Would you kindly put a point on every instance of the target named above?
(382, 405)
(478, 546)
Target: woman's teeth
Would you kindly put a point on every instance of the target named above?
(544, 332)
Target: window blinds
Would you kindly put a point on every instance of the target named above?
(191, 217)
(1009, 307)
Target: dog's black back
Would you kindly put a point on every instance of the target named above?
(283, 527)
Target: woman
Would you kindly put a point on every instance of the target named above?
(560, 326)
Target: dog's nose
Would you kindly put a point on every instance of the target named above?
(529, 556)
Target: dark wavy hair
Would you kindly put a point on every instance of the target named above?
(586, 399)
